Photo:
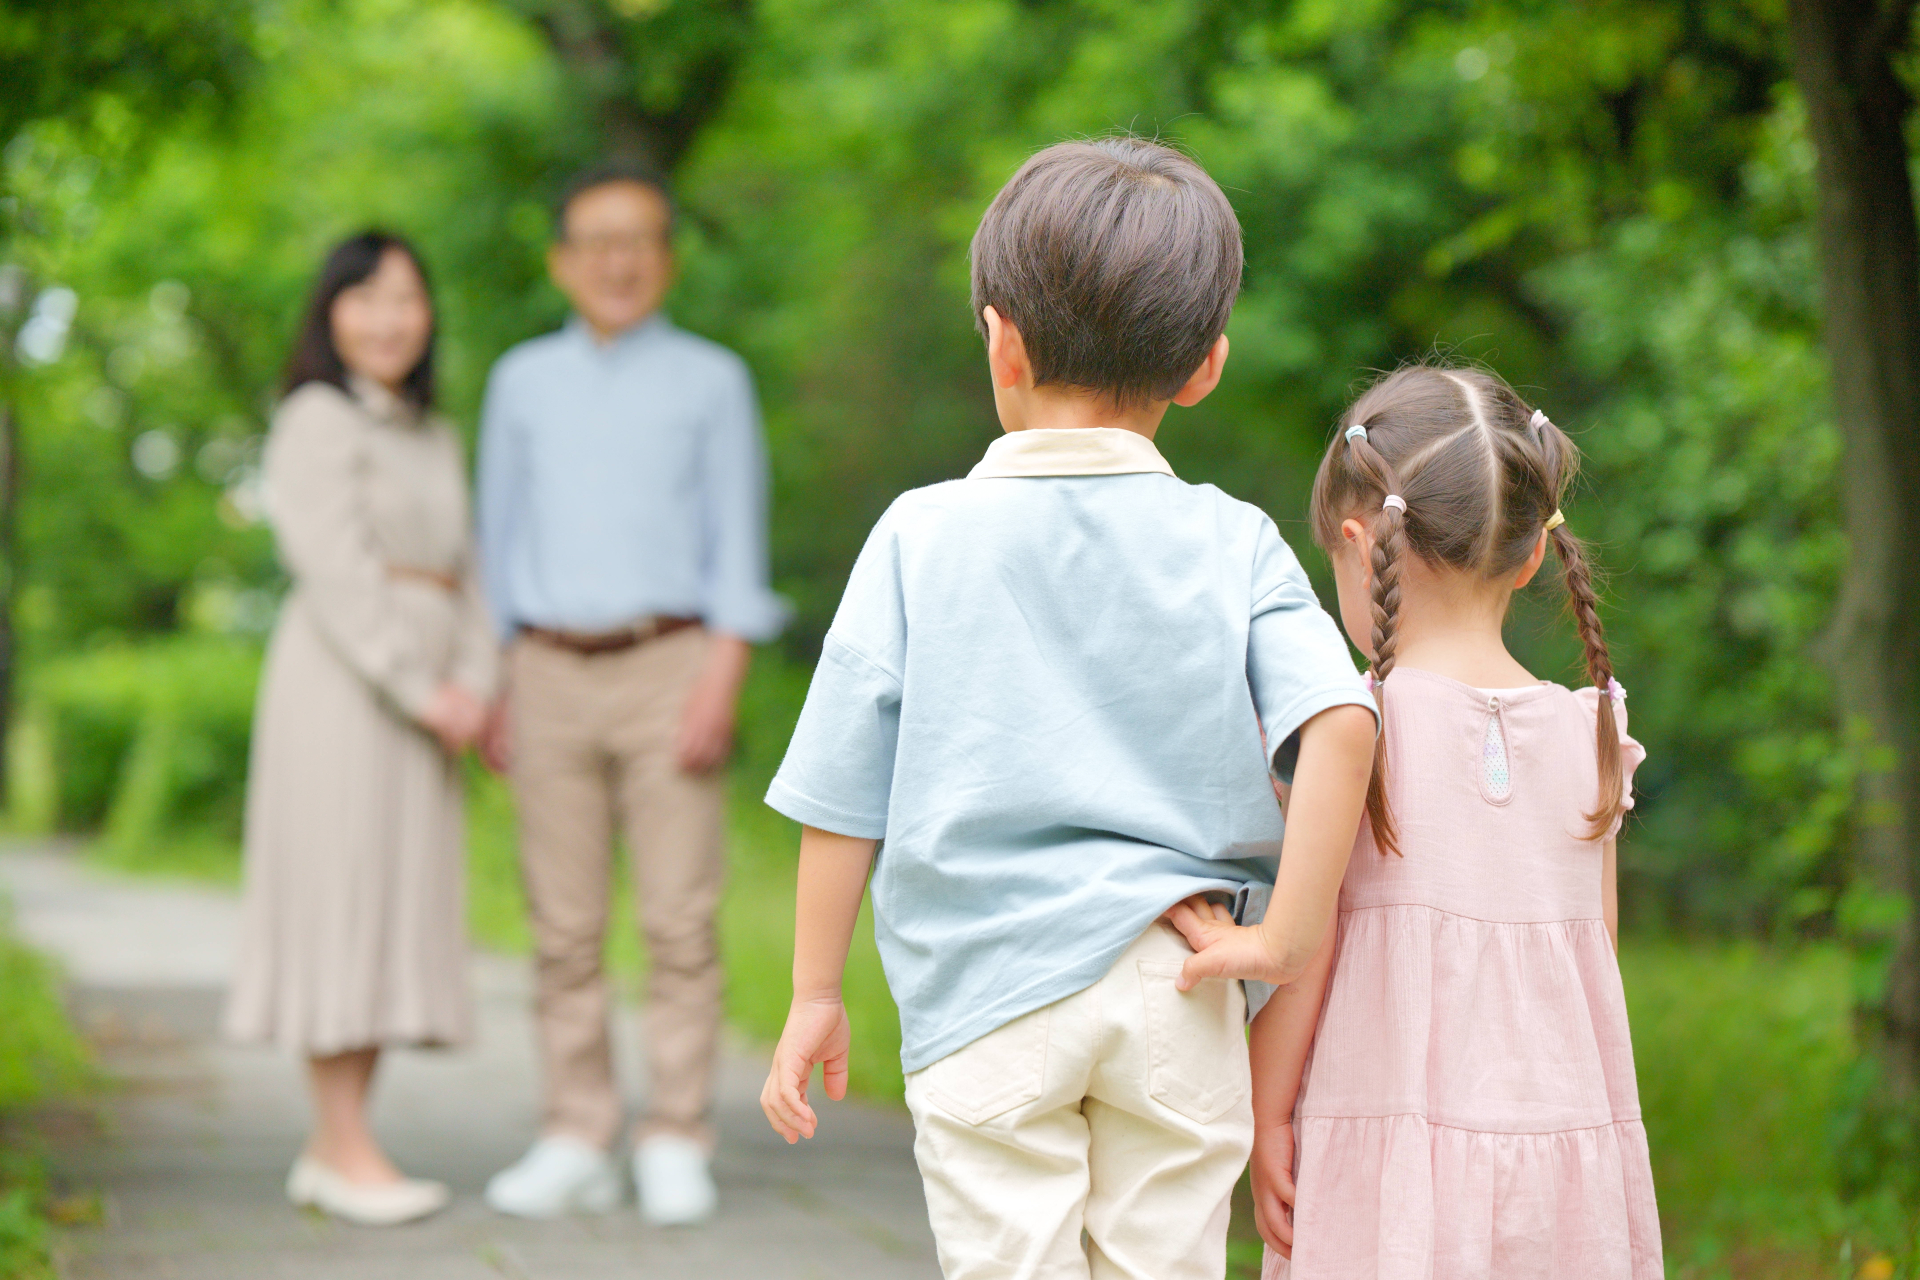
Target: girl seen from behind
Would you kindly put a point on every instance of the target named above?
(1449, 1092)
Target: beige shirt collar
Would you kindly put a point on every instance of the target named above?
(1070, 451)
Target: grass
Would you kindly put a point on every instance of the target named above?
(1743, 1055)
(40, 1059)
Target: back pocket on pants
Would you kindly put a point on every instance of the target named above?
(1196, 1043)
(1001, 1070)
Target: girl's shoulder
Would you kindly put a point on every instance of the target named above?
(1542, 707)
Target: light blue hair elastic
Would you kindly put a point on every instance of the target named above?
(1356, 430)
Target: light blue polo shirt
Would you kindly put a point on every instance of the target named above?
(1044, 691)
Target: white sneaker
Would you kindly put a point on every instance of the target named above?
(558, 1175)
(369, 1204)
(676, 1187)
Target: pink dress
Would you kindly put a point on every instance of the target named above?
(1470, 1109)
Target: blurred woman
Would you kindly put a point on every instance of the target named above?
(376, 681)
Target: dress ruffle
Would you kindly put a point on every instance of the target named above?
(1397, 1198)
(1470, 1110)
(1502, 1026)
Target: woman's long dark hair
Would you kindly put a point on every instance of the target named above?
(315, 358)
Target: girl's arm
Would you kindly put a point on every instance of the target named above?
(1323, 816)
(833, 876)
(1282, 1035)
(1610, 891)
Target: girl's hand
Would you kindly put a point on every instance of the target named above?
(816, 1031)
(1273, 1191)
(1221, 948)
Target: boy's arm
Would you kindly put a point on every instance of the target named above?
(1278, 1045)
(1323, 816)
(833, 876)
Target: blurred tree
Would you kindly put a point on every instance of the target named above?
(651, 73)
(64, 59)
(1849, 57)
(1611, 203)
(59, 57)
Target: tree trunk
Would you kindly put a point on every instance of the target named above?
(686, 55)
(1844, 54)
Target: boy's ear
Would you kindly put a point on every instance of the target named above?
(1006, 351)
(1206, 377)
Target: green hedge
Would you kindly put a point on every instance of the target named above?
(146, 744)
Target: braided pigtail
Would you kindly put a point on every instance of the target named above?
(1585, 604)
(1561, 460)
(1389, 553)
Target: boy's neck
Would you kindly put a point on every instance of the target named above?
(1026, 408)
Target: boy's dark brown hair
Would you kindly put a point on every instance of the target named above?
(1481, 474)
(1118, 260)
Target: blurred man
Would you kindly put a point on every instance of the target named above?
(623, 533)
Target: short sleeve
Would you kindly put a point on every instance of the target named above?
(1297, 661)
(1632, 754)
(838, 770)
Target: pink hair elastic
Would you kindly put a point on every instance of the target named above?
(1614, 690)
(1537, 421)
(1395, 501)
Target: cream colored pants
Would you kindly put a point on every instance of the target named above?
(593, 745)
(1123, 1112)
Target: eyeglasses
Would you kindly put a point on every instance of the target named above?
(605, 246)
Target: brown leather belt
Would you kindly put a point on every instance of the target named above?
(589, 644)
(412, 573)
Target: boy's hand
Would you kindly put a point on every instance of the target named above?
(1273, 1192)
(816, 1031)
(1221, 948)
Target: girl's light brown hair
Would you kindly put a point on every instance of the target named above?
(1481, 475)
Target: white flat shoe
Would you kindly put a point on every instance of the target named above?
(558, 1175)
(676, 1186)
(375, 1204)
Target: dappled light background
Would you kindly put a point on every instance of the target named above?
(1609, 203)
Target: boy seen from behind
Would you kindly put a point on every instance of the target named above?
(1045, 691)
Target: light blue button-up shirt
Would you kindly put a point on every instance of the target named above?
(623, 479)
(1044, 690)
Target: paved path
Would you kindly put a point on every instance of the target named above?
(197, 1135)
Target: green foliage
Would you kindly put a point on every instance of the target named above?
(60, 56)
(1610, 206)
(1713, 472)
(39, 1054)
(147, 743)
(40, 1059)
(1745, 1057)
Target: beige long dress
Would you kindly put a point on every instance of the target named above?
(353, 931)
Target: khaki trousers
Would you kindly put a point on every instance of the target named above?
(593, 741)
(1123, 1112)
